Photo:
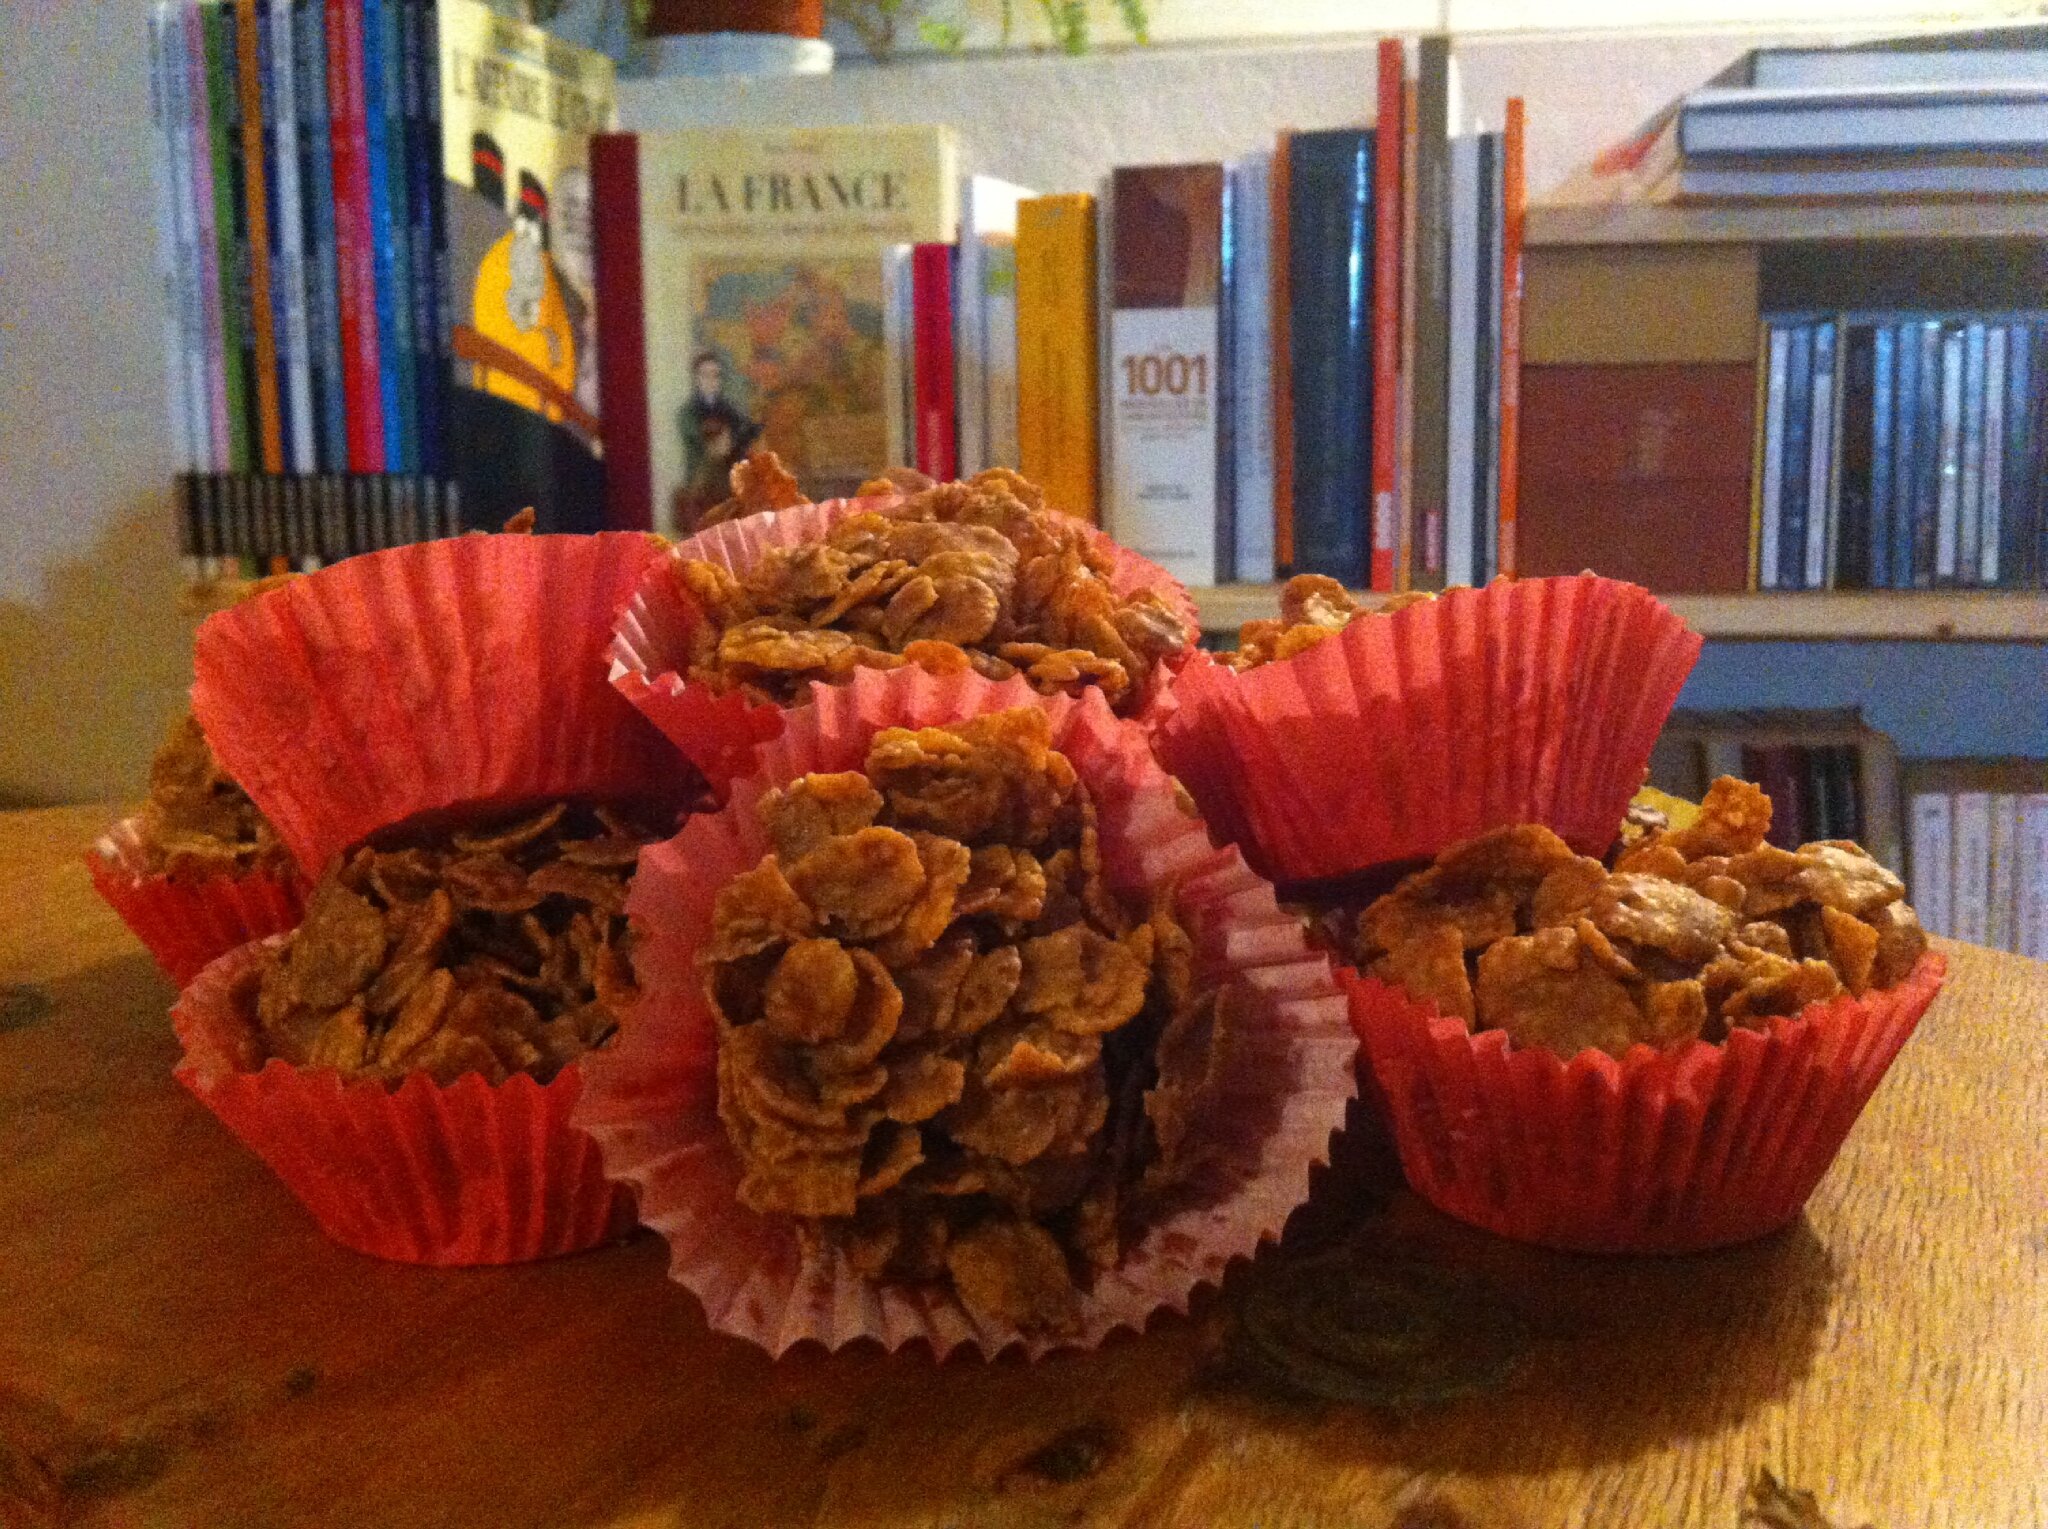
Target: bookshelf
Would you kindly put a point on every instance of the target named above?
(1781, 223)
(1859, 616)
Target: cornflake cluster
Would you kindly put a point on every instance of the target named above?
(197, 821)
(493, 950)
(1313, 607)
(943, 1042)
(977, 575)
(1692, 931)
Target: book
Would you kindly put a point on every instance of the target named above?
(237, 343)
(288, 257)
(1251, 365)
(1282, 187)
(934, 390)
(1407, 545)
(984, 362)
(1486, 367)
(1329, 283)
(1970, 477)
(421, 127)
(1877, 449)
(1933, 828)
(1226, 385)
(1780, 770)
(1820, 459)
(381, 107)
(173, 241)
(2001, 851)
(1949, 456)
(1991, 473)
(1910, 62)
(2030, 877)
(1386, 313)
(1981, 115)
(1927, 476)
(1864, 177)
(316, 183)
(753, 314)
(1514, 216)
(210, 379)
(2020, 477)
(1462, 319)
(1165, 256)
(1436, 112)
(1904, 452)
(1972, 891)
(1850, 566)
(1774, 363)
(354, 254)
(1058, 361)
(1798, 465)
(255, 237)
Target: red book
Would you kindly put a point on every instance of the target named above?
(1514, 209)
(1283, 372)
(931, 298)
(1781, 770)
(354, 250)
(1386, 315)
(621, 333)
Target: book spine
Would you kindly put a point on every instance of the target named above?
(1820, 502)
(1905, 453)
(257, 240)
(970, 400)
(1386, 316)
(1486, 369)
(2020, 479)
(231, 238)
(1949, 483)
(1057, 350)
(1331, 183)
(1252, 369)
(899, 366)
(420, 65)
(932, 330)
(206, 243)
(1878, 445)
(1849, 568)
(621, 334)
(1780, 772)
(1973, 866)
(2037, 475)
(1226, 390)
(1283, 354)
(2003, 847)
(1514, 206)
(1407, 546)
(316, 183)
(166, 46)
(289, 227)
(1991, 515)
(1927, 458)
(440, 337)
(1823, 809)
(1776, 364)
(999, 352)
(1461, 419)
(1798, 458)
(354, 244)
(2030, 876)
(1433, 218)
(1970, 478)
(274, 143)
(381, 112)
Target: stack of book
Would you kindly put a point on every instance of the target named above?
(373, 237)
(1980, 851)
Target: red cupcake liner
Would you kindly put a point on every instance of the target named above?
(451, 673)
(1674, 1151)
(189, 920)
(1532, 702)
(720, 732)
(461, 1174)
(652, 1099)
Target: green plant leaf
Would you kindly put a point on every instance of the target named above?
(946, 36)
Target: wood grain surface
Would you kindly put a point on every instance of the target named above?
(179, 1346)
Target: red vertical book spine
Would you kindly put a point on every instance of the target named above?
(354, 258)
(1514, 208)
(931, 289)
(1386, 315)
(622, 334)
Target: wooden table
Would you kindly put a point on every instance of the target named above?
(178, 1345)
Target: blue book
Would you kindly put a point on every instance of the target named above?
(1927, 459)
(1853, 488)
(1822, 502)
(423, 190)
(1329, 267)
(1883, 443)
(2019, 531)
(392, 341)
(316, 210)
(1905, 452)
(397, 187)
(1798, 464)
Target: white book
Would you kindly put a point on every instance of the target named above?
(1992, 517)
(1820, 456)
(1771, 510)
(988, 213)
(1837, 66)
(999, 332)
(2030, 876)
(289, 282)
(1972, 895)
(1251, 315)
(166, 42)
(2005, 834)
(1949, 456)
(1461, 435)
(1970, 481)
(1933, 865)
(899, 371)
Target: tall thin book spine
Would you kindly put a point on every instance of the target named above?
(206, 243)
(289, 226)
(1486, 367)
(622, 333)
(1514, 215)
(275, 142)
(1992, 514)
(2020, 481)
(256, 204)
(1970, 480)
(316, 183)
(1386, 317)
(1973, 866)
(1057, 350)
(420, 61)
(1433, 106)
(932, 345)
(1878, 497)
(1224, 394)
(355, 256)
(165, 44)
(1927, 468)
(1774, 364)
(230, 239)
(1905, 453)
(2030, 916)
(2003, 847)
(1948, 499)
(1820, 501)
(382, 81)
(1462, 322)
(1797, 472)
(1252, 366)
(1283, 379)
(439, 341)
(899, 366)
(1406, 546)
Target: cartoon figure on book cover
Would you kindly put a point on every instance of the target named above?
(716, 433)
(519, 310)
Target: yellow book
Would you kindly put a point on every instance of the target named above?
(1057, 360)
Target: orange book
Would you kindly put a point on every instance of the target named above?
(1404, 419)
(1386, 314)
(1058, 366)
(1283, 372)
(249, 86)
(1514, 209)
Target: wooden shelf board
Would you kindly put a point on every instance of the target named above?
(1863, 616)
(1791, 222)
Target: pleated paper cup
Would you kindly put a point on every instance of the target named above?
(456, 1174)
(721, 731)
(1672, 1151)
(466, 673)
(188, 919)
(1530, 702)
(651, 1100)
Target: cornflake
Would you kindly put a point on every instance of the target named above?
(197, 821)
(943, 1043)
(1690, 933)
(978, 576)
(1313, 607)
(496, 947)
